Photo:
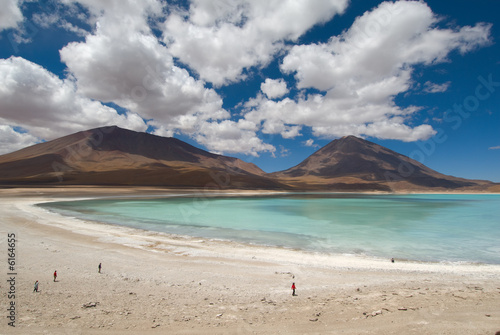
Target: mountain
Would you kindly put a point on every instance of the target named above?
(351, 163)
(115, 156)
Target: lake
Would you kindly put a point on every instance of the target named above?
(416, 227)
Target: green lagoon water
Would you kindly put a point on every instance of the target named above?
(436, 228)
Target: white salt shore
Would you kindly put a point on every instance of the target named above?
(156, 283)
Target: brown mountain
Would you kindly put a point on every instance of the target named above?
(351, 163)
(115, 156)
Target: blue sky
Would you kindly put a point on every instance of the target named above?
(266, 81)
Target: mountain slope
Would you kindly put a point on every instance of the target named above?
(115, 156)
(352, 163)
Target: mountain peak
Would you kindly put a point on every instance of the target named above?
(349, 138)
(352, 138)
(351, 159)
(115, 156)
(349, 144)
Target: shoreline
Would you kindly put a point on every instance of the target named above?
(98, 229)
(353, 258)
(156, 282)
(269, 253)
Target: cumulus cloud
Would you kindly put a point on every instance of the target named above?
(165, 64)
(48, 107)
(128, 14)
(361, 71)
(232, 137)
(12, 140)
(274, 88)
(129, 66)
(221, 38)
(134, 71)
(10, 15)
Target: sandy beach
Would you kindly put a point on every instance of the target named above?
(159, 283)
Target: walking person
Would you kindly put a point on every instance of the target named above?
(293, 289)
(99, 267)
(35, 289)
(55, 275)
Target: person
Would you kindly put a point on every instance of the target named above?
(99, 267)
(293, 289)
(55, 275)
(35, 289)
(392, 260)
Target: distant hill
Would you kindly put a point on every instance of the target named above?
(116, 156)
(351, 163)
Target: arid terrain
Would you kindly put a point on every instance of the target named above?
(157, 283)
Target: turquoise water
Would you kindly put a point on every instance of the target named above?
(455, 228)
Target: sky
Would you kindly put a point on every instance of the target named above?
(267, 81)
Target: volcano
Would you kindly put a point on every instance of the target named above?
(116, 156)
(120, 157)
(352, 163)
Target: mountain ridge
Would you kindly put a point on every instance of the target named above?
(116, 156)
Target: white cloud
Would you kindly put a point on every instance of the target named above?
(120, 62)
(48, 107)
(126, 64)
(12, 140)
(284, 152)
(310, 143)
(225, 136)
(45, 20)
(129, 14)
(130, 67)
(274, 88)
(361, 71)
(56, 18)
(134, 71)
(380, 44)
(494, 148)
(219, 39)
(10, 15)
(430, 87)
(47, 14)
(232, 137)
(354, 77)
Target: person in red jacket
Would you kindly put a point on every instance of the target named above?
(293, 289)
(55, 275)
